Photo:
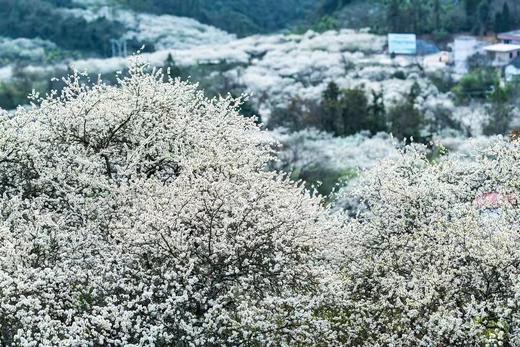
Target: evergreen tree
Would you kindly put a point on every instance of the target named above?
(405, 119)
(394, 16)
(503, 20)
(331, 107)
(470, 7)
(500, 112)
(376, 121)
(170, 67)
(354, 112)
(418, 13)
(437, 10)
(484, 10)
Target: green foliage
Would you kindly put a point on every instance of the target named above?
(413, 16)
(243, 17)
(442, 119)
(484, 10)
(478, 84)
(300, 114)
(405, 122)
(405, 119)
(330, 6)
(341, 112)
(500, 111)
(376, 120)
(436, 153)
(442, 80)
(35, 18)
(441, 17)
(478, 61)
(323, 179)
(500, 117)
(247, 109)
(171, 69)
(470, 6)
(400, 75)
(484, 84)
(326, 23)
(354, 111)
(13, 94)
(15, 91)
(503, 20)
(349, 111)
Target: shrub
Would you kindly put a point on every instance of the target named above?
(399, 74)
(434, 254)
(406, 121)
(478, 84)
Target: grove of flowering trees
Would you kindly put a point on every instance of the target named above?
(434, 254)
(141, 215)
(144, 214)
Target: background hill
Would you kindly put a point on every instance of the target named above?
(242, 17)
(437, 17)
(76, 35)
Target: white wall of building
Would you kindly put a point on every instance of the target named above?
(464, 47)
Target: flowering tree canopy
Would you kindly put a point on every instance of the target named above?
(141, 214)
(434, 256)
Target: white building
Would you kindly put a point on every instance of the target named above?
(511, 37)
(464, 47)
(503, 54)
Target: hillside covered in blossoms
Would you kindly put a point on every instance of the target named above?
(259, 173)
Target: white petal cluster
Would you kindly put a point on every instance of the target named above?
(310, 147)
(164, 31)
(434, 256)
(141, 214)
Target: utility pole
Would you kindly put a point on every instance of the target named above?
(119, 48)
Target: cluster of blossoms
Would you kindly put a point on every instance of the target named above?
(142, 214)
(434, 254)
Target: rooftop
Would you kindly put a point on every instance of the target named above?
(502, 48)
(510, 35)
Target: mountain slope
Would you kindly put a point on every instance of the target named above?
(242, 17)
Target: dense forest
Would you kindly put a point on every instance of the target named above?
(43, 18)
(239, 16)
(438, 17)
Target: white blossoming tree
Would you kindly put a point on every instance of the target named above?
(434, 257)
(141, 214)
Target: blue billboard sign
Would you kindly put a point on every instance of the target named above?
(402, 44)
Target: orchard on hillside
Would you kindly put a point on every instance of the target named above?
(145, 214)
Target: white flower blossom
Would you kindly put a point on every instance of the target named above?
(142, 214)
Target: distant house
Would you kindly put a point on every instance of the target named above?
(502, 54)
(511, 37)
(462, 48)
